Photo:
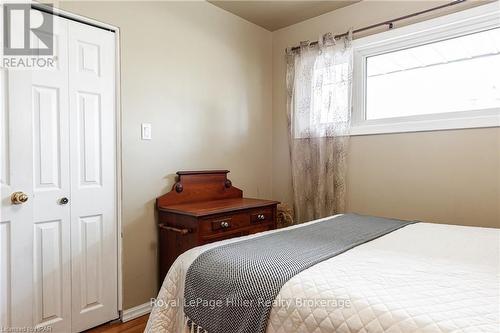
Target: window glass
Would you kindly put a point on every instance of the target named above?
(458, 74)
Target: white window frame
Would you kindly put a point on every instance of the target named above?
(450, 26)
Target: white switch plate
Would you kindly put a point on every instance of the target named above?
(146, 131)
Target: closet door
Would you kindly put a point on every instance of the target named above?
(51, 186)
(35, 234)
(93, 176)
(16, 221)
(58, 248)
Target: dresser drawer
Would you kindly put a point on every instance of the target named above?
(224, 223)
(224, 236)
(230, 223)
(237, 233)
(261, 228)
(261, 216)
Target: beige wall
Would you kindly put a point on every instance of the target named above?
(202, 77)
(443, 177)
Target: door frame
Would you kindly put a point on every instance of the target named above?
(118, 130)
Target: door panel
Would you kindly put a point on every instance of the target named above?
(5, 131)
(92, 258)
(48, 296)
(51, 173)
(47, 137)
(16, 221)
(5, 233)
(5, 274)
(93, 177)
(35, 160)
(89, 58)
(89, 118)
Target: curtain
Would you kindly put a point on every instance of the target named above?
(319, 85)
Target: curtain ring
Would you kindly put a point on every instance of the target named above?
(304, 43)
(348, 38)
(328, 38)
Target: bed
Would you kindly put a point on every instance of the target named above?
(421, 278)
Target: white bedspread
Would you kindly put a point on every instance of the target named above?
(422, 278)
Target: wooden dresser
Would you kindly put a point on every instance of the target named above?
(204, 207)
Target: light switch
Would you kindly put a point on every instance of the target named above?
(146, 131)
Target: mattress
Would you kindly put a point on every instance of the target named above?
(421, 278)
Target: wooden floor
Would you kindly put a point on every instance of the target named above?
(134, 326)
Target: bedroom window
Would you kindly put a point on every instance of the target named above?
(439, 74)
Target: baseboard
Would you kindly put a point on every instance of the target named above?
(136, 312)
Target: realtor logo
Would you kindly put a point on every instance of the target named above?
(27, 31)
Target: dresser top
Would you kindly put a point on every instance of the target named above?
(205, 208)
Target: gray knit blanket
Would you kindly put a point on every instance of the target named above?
(231, 288)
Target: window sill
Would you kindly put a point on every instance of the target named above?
(367, 128)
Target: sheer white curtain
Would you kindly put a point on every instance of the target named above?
(319, 85)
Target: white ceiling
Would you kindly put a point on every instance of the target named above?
(274, 15)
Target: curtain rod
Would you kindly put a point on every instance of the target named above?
(390, 23)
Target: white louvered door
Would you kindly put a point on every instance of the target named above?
(58, 250)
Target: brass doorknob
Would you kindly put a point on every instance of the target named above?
(18, 198)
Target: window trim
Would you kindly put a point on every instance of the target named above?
(468, 21)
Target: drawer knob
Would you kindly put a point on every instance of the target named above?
(261, 217)
(224, 224)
